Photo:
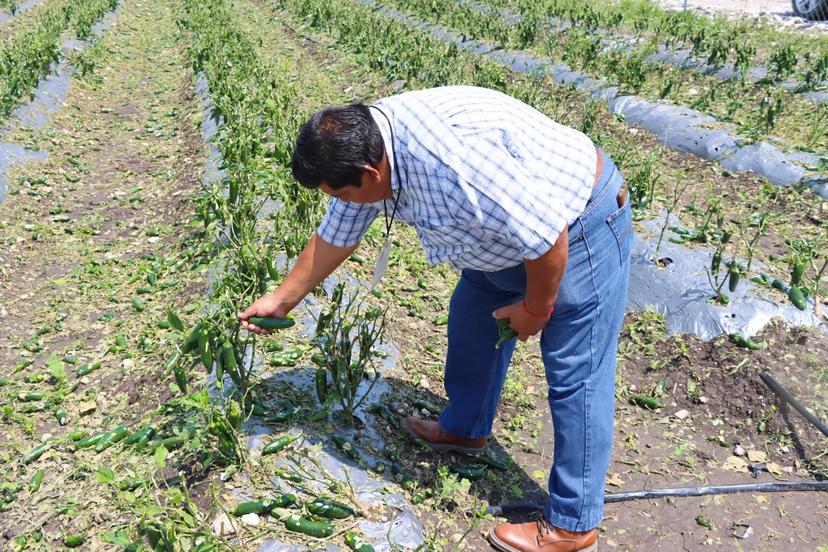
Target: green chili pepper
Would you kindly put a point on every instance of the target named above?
(230, 366)
(37, 479)
(646, 401)
(272, 323)
(347, 448)
(264, 506)
(317, 529)
(34, 454)
(504, 331)
(61, 417)
(29, 396)
(473, 472)
(206, 354)
(90, 441)
(138, 305)
(132, 484)
(779, 284)
(425, 405)
(797, 297)
(716, 262)
(356, 543)
(135, 436)
(383, 411)
(180, 376)
(740, 340)
(329, 509)
(73, 541)
(797, 272)
(87, 369)
(191, 342)
(321, 380)
(112, 437)
(734, 273)
(279, 444)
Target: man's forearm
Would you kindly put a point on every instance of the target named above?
(315, 263)
(544, 275)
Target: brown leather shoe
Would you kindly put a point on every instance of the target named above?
(431, 433)
(541, 536)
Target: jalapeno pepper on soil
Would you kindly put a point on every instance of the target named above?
(473, 472)
(740, 340)
(279, 444)
(112, 437)
(356, 543)
(347, 448)
(87, 369)
(90, 441)
(73, 541)
(132, 484)
(303, 525)
(34, 454)
(330, 509)
(646, 401)
(797, 297)
(36, 481)
(264, 506)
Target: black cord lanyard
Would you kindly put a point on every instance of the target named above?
(388, 223)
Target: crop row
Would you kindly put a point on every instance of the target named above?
(402, 51)
(29, 52)
(756, 110)
(718, 39)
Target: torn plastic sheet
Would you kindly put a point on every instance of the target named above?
(5, 16)
(46, 98)
(677, 127)
(682, 292)
(681, 57)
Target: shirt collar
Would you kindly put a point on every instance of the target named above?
(390, 146)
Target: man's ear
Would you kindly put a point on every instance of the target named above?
(370, 175)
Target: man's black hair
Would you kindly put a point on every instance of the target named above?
(334, 145)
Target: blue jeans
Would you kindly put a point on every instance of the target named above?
(578, 347)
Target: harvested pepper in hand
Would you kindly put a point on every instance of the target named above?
(504, 331)
(272, 323)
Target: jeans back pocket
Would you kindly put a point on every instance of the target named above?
(620, 222)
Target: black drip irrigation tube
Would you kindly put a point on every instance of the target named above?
(774, 487)
(787, 396)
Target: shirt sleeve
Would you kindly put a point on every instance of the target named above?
(345, 223)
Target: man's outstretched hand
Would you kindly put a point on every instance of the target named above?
(267, 306)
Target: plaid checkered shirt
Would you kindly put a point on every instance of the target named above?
(487, 181)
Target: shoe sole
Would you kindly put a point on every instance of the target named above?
(503, 547)
(441, 447)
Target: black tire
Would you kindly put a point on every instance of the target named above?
(811, 9)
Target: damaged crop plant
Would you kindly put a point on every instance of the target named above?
(157, 202)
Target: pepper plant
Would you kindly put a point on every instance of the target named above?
(347, 333)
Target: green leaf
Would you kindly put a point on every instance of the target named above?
(119, 538)
(161, 457)
(105, 475)
(56, 368)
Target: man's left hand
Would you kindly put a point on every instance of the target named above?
(521, 321)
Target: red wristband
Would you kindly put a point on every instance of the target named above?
(538, 316)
